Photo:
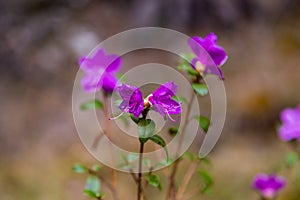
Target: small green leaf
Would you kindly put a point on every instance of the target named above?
(118, 102)
(186, 67)
(124, 119)
(190, 156)
(93, 184)
(135, 120)
(204, 122)
(179, 99)
(94, 104)
(207, 180)
(97, 195)
(154, 181)
(161, 142)
(96, 168)
(121, 77)
(147, 162)
(291, 159)
(146, 128)
(132, 157)
(164, 162)
(79, 168)
(206, 161)
(173, 130)
(200, 88)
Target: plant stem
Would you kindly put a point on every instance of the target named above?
(171, 191)
(140, 189)
(186, 179)
(107, 132)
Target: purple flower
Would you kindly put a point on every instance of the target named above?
(162, 101)
(268, 185)
(209, 55)
(290, 128)
(133, 101)
(100, 71)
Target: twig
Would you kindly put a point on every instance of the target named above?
(108, 134)
(140, 188)
(171, 191)
(186, 179)
(133, 176)
(191, 194)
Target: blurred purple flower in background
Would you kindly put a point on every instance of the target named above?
(209, 55)
(133, 101)
(290, 128)
(100, 71)
(268, 186)
(162, 101)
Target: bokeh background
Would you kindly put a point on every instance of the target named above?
(41, 41)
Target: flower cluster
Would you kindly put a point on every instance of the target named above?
(100, 71)
(160, 100)
(290, 128)
(268, 186)
(209, 56)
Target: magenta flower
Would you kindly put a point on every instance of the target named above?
(290, 127)
(209, 55)
(268, 186)
(133, 101)
(162, 101)
(100, 71)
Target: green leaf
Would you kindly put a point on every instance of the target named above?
(146, 128)
(79, 168)
(206, 161)
(160, 141)
(93, 104)
(96, 195)
(96, 168)
(190, 156)
(93, 184)
(118, 102)
(121, 77)
(124, 119)
(200, 88)
(186, 67)
(207, 180)
(164, 162)
(173, 130)
(135, 120)
(154, 181)
(291, 159)
(147, 162)
(204, 122)
(132, 157)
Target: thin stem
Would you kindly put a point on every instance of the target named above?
(140, 188)
(171, 191)
(186, 179)
(134, 176)
(191, 194)
(107, 132)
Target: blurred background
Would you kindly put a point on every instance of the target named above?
(41, 41)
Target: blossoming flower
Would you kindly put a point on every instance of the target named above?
(100, 71)
(268, 185)
(290, 128)
(133, 101)
(160, 100)
(209, 55)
